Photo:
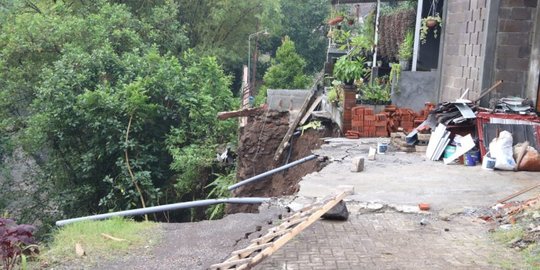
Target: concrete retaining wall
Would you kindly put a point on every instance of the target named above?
(286, 99)
(415, 89)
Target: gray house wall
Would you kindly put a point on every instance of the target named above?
(516, 20)
(486, 41)
(464, 51)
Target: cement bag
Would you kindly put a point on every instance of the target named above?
(501, 149)
(530, 161)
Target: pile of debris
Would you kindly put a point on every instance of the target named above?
(521, 216)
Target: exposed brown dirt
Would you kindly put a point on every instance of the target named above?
(258, 143)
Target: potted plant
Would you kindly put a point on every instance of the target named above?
(406, 50)
(377, 93)
(347, 70)
(335, 93)
(430, 23)
(340, 37)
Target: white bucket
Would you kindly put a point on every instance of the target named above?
(381, 148)
(488, 163)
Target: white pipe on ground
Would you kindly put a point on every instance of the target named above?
(167, 207)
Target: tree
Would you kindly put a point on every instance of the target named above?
(287, 70)
(303, 22)
(221, 28)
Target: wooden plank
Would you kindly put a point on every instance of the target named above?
(242, 253)
(282, 233)
(239, 113)
(311, 109)
(293, 126)
(295, 231)
(518, 193)
(269, 236)
(484, 93)
(228, 264)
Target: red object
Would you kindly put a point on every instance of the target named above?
(483, 118)
(335, 20)
(424, 206)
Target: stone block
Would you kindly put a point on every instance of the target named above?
(522, 13)
(517, 63)
(524, 52)
(357, 164)
(508, 50)
(515, 26)
(512, 38)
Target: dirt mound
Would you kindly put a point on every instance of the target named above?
(258, 142)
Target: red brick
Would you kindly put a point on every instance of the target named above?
(380, 124)
(357, 123)
(368, 111)
(369, 118)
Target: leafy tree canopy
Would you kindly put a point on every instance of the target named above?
(303, 23)
(287, 70)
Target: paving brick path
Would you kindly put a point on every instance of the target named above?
(393, 240)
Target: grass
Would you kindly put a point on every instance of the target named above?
(531, 255)
(89, 236)
(506, 236)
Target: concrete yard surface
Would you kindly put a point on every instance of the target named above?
(410, 178)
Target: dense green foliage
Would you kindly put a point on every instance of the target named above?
(287, 70)
(112, 103)
(106, 101)
(303, 23)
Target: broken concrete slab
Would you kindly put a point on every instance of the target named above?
(338, 212)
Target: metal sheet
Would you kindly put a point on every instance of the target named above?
(465, 110)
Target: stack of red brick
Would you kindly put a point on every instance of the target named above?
(365, 123)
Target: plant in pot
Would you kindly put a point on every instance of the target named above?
(377, 93)
(340, 37)
(348, 69)
(335, 93)
(406, 50)
(430, 23)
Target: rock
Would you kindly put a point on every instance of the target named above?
(375, 206)
(357, 164)
(371, 153)
(338, 212)
(444, 216)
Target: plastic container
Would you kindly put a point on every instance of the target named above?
(471, 158)
(381, 148)
(449, 151)
(488, 163)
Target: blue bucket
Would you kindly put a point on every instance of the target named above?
(471, 158)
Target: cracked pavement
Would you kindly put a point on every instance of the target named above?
(386, 230)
